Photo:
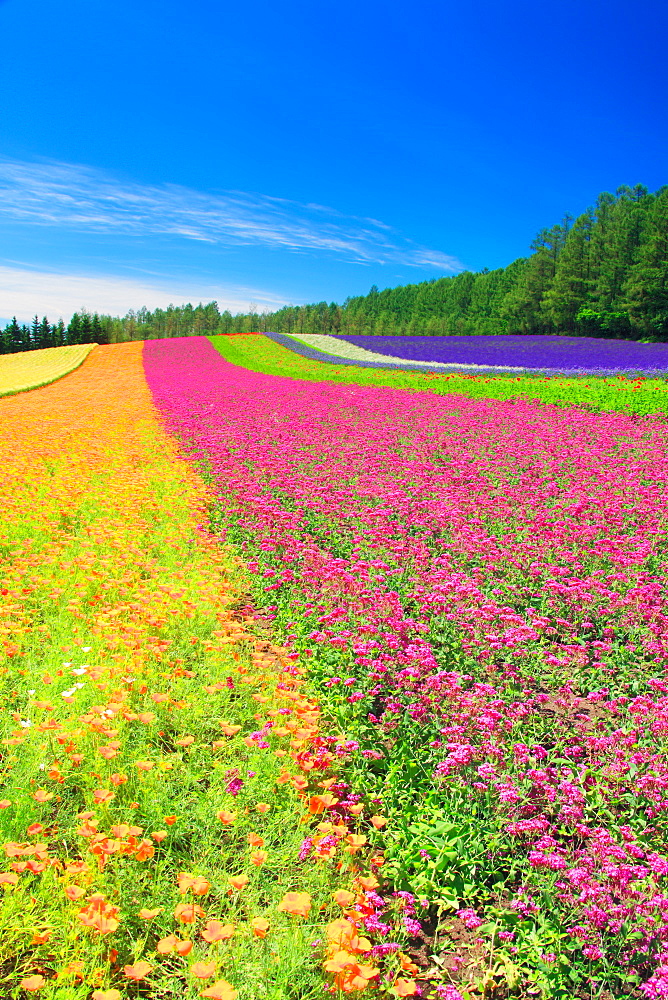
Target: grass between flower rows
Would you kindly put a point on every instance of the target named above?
(160, 763)
(641, 395)
(30, 369)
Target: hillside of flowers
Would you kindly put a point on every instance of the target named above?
(326, 681)
(276, 354)
(562, 354)
(175, 814)
(475, 588)
(19, 372)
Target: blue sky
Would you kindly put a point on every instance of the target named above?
(271, 153)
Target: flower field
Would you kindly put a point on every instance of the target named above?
(161, 762)
(618, 393)
(337, 348)
(324, 681)
(19, 372)
(477, 589)
(562, 354)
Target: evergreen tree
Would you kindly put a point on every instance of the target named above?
(85, 328)
(13, 340)
(44, 334)
(646, 288)
(74, 330)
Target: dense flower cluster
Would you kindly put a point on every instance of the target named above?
(480, 587)
(28, 369)
(160, 763)
(591, 354)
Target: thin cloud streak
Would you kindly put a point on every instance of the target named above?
(24, 292)
(85, 199)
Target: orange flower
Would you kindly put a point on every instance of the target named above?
(355, 842)
(198, 885)
(349, 975)
(138, 971)
(159, 835)
(342, 936)
(107, 995)
(41, 795)
(118, 779)
(297, 904)
(260, 926)
(238, 882)
(101, 795)
(318, 803)
(150, 914)
(38, 938)
(343, 897)
(221, 990)
(226, 817)
(404, 987)
(203, 970)
(145, 851)
(263, 807)
(187, 913)
(215, 930)
(258, 858)
(74, 892)
(33, 983)
(229, 730)
(378, 821)
(165, 946)
(255, 840)
(170, 820)
(99, 914)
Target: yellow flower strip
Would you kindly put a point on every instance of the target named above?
(31, 369)
(150, 819)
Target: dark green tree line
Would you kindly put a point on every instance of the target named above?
(602, 274)
(83, 328)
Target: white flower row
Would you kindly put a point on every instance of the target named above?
(351, 352)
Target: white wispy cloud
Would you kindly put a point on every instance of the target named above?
(86, 199)
(25, 291)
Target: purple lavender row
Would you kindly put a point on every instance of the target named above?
(562, 354)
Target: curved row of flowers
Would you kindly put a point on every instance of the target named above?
(478, 589)
(174, 816)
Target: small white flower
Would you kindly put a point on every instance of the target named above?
(25, 724)
(86, 649)
(79, 671)
(31, 693)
